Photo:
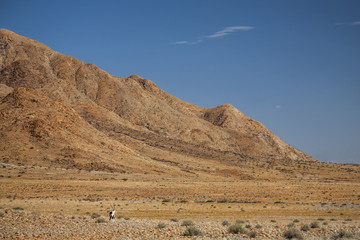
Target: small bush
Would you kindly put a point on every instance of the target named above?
(258, 226)
(252, 234)
(296, 220)
(247, 226)
(161, 225)
(237, 229)
(187, 223)
(273, 221)
(293, 233)
(291, 225)
(305, 227)
(225, 223)
(100, 220)
(240, 221)
(343, 234)
(315, 225)
(192, 231)
(18, 208)
(174, 220)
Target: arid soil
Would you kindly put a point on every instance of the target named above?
(55, 203)
(17, 224)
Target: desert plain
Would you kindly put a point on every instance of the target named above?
(265, 207)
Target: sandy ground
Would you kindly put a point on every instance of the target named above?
(53, 203)
(19, 224)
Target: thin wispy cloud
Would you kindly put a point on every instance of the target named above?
(195, 42)
(187, 42)
(229, 30)
(218, 34)
(348, 23)
(180, 42)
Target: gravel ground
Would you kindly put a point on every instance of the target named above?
(27, 225)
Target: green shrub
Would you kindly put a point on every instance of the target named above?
(237, 229)
(305, 227)
(293, 233)
(314, 225)
(192, 231)
(296, 220)
(161, 225)
(258, 226)
(187, 223)
(225, 223)
(18, 208)
(342, 234)
(174, 220)
(291, 225)
(252, 234)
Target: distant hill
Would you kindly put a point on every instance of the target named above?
(58, 111)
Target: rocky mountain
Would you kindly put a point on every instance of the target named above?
(56, 110)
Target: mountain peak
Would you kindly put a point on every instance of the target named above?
(135, 116)
(136, 77)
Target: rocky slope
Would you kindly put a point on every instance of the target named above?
(57, 110)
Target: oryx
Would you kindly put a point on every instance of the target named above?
(112, 213)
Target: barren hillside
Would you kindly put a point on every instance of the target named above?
(59, 111)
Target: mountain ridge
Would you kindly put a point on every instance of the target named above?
(131, 112)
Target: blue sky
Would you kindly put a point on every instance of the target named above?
(293, 65)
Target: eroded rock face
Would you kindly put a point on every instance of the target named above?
(111, 122)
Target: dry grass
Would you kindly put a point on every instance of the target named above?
(50, 190)
(81, 195)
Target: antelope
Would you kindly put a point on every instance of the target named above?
(112, 213)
